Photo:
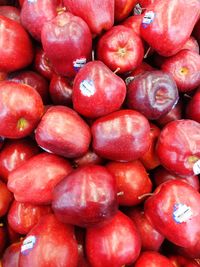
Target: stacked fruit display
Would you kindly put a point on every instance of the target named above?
(99, 133)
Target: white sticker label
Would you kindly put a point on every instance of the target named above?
(129, 79)
(148, 18)
(137, 10)
(79, 63)
(196, 167)
(32, 1)
(28, 244)
(182, 213)
(87, 88)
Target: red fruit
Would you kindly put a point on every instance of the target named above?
(78, 204)
(50, 243)
(89, 158)
(151, 239)
(193, 107)
(19, 52)
(6, 198)
(98, 15)
(180, 261)
(192, 45)
(99, 89)
(164, 21)
(62, 131)
(67, 42)
(191, 252)
(115, 243)
(13, 237)
(133, 22)
(132, 181)
(42, 172)
(22, 217)
(178, 147)
(21, 108)
(3, 238)
(123, 8)
(122, 48)
(11, 255)
(152, 259)
(10, 12)
(174, 214)
(122, 135)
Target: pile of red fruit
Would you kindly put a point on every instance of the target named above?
(99, 133)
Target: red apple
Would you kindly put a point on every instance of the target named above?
(89, 158)
(6, 198)
(35, 180)
(122, 135)
(120, 48)
(10, 12)
(62, 131)
(67, 42)
(133, 22)
(13, 236)
(3, 238)
(191, 252)
(123, 8)
(11, 255)
(99, 89)
(193, 107)
(50, 243)
(152, 259)
(86, 197)
(180, 261)
(132, 181)
(19, 51)
(115, 243)
(192, 45)
(174, 214)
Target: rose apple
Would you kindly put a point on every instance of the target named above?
(193, 107)
(99, 89)
(123, 8)
(67, 42)
(42, 172)
(6, 198)
(21, 108)
(152, 259)
(122, 135)
(120, 48)
(62, 131)
(10, 12)
(11, 255)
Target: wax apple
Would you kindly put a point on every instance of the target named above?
(133, 22)
(164, 20)
(122, 48)
(98, 16)
(122, 243)
(21, 108)
(151, 259)
(193, 107)
(122, 135)
(50, 243)
(89, 158)
(123, 8)
(99, 89)
(19, 51)
(6, 198)
(42, 172)
(10, 12)
(22, 217)
(67, 42)
(153, 93)
(62, 131)
(178, 147)
(15, 153)
(132, 181)
(11, 255)
(151, 239)
(60, 91)
(98, 200)
(173, 214)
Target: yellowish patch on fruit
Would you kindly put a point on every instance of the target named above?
(22, 124)
(192, 159)
(184, 71)
(121, 51)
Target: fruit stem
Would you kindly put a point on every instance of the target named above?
(120, 194)
(148, 50)
(145, 195)
(118, 69)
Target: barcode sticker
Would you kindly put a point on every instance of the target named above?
(148, 18)
(28, 244)
(196, 167)
(137, 10)
(182, 213)
(129, 79)
(87, 88)
(79, 63)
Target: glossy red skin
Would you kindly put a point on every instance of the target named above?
(3, 239)
(159, 209)
(106, 95)
(115, 243)
(22, 217)
(152, 259)
(180, 261)
(55, 245)
(191, 252)
(192, 45)
(19, 101)
(14, 154)
(89, 158)
(42, 172)
(193, 107)
(10, 12)
(122, 48)
(11, 255)
(16, 51)
(152, 93)
(6, 198)
(123, 8)
(98, 201)
(115, 138)
(146, 3)
(34, 14)
(133, 22)
(161, 175)
(60, 91)
(34, 80)
(42, 64)
(150, 159)
(13, 236)
(62, 131)
(185, 69)
(132, 181)
(165, 33)
(65, 39)
(177, 146)
(151, 239)
(98, 16)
